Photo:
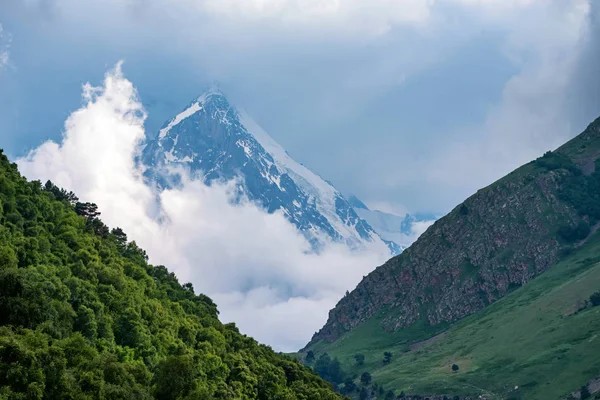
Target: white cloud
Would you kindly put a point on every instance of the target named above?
(5, 40)
(256, 265)
(371, 17)
(531, 116)
(377, 16)
(419, 227)
(289, 62)
(387, 207)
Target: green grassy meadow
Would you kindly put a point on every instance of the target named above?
(532, 344)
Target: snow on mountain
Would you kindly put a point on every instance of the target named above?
(212, 137)
(403, 230)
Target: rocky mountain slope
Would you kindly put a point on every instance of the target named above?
(497, 300)
(496, 241)
(540, 342)
(213, 138)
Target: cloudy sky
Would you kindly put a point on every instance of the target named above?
(410, 104)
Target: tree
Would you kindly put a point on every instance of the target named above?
(175, 377)
(585, 393)
(349, 386)
(572, 234)
(90, 211)
(455, 367)
(387, 357)
(390, 395)
(364, 394)
(595, 299)
(360, 359)
(98, 228)
(365, 378)
(310, 357)
(335, 373)
(81, 318)
(322, 366)
(120, 238)
(86, 322)
(87, 210)
(61, 194)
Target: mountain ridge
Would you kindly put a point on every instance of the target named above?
(212, 137)
(454, 268)
(496, 300)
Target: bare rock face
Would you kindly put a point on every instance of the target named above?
(499, 239)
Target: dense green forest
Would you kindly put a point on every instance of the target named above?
(84, 316)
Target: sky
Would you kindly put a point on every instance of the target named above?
(412, 105)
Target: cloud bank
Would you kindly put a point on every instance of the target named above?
(344, 17)
(255, 265)
(532, 116)
(438, 97)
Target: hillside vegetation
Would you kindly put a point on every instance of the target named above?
(543, 338)
(487, 299)
(84, 316)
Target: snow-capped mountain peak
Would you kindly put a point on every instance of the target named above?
(193, 108)
(212, 136)
(400, 229)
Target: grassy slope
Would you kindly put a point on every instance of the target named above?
(532, 339)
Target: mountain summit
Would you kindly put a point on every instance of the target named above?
(212, 137)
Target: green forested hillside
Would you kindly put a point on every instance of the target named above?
(499, 298)
(84, 316)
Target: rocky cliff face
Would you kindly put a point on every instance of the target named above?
(498, 239)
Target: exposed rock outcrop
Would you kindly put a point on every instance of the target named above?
(498, 239)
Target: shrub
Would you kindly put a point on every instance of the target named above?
(360, 359)
(365, 378)
(387, 357)
(552, 160)
(310, 357)
(572, 234)
(585, 393)
(349, 386)
(364, 394)
(595, 299)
